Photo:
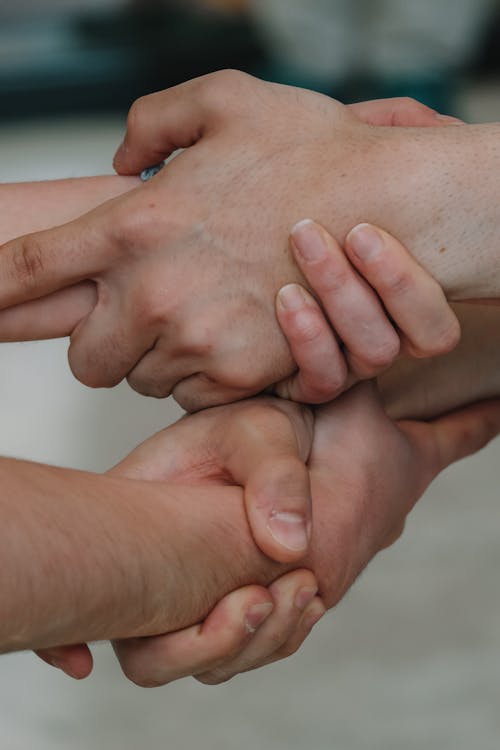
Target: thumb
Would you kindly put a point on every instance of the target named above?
(266, 453)
(456, 435)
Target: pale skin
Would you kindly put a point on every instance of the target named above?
(402, 327)
(281, 523)
(270, 155)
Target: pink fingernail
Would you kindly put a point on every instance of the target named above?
(256, 616)
(365, 241)
(309, 241)
(292, 297)
(290, 530)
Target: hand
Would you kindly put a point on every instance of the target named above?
(366, 472)
(359, 287)
(159, 272)
(262, 445)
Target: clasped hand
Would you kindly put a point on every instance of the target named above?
(185, 283)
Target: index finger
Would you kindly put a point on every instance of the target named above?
(37, 264)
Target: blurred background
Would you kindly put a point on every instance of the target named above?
(411, 657)
(63, 56)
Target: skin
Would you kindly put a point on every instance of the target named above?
(181, 637)
(394, 463)
(433, 188)
(282, 590)
(280, 521)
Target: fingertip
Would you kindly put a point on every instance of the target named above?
(313, 614)
(365, 242)
(256, 615)
(291, 297)
(75, 661)
(310, 243)
(297, 228)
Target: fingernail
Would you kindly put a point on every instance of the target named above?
(290, 530)
(292, 297)
(305, 597)
(256, 616)
(309, 241)
(365, 241)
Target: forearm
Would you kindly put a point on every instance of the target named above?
(426, 388)
(87, 557)
(456, 192)
(32, 206)
(437, 190)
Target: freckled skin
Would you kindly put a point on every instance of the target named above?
(189, 264)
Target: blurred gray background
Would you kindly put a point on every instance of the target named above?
(411, 658)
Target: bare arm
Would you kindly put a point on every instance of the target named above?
(87, 557)
(32, 206)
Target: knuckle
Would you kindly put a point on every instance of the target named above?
(226, 80)
(451, 337)
(397, 284)
(134, 228)
(28, 261)
(326, 387)
(410, 103)
(144, 681)
(192, 399)
(223, 88)
(385, 352)
(288, 469)
(148, 386)
(197, 338)
(443, 341)
(135, 113)
(240, 375)
(213, 678)
(134, 672)
(309, 328)
(92, 370)
(448, 339)
(152, 309)
(333, 280)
